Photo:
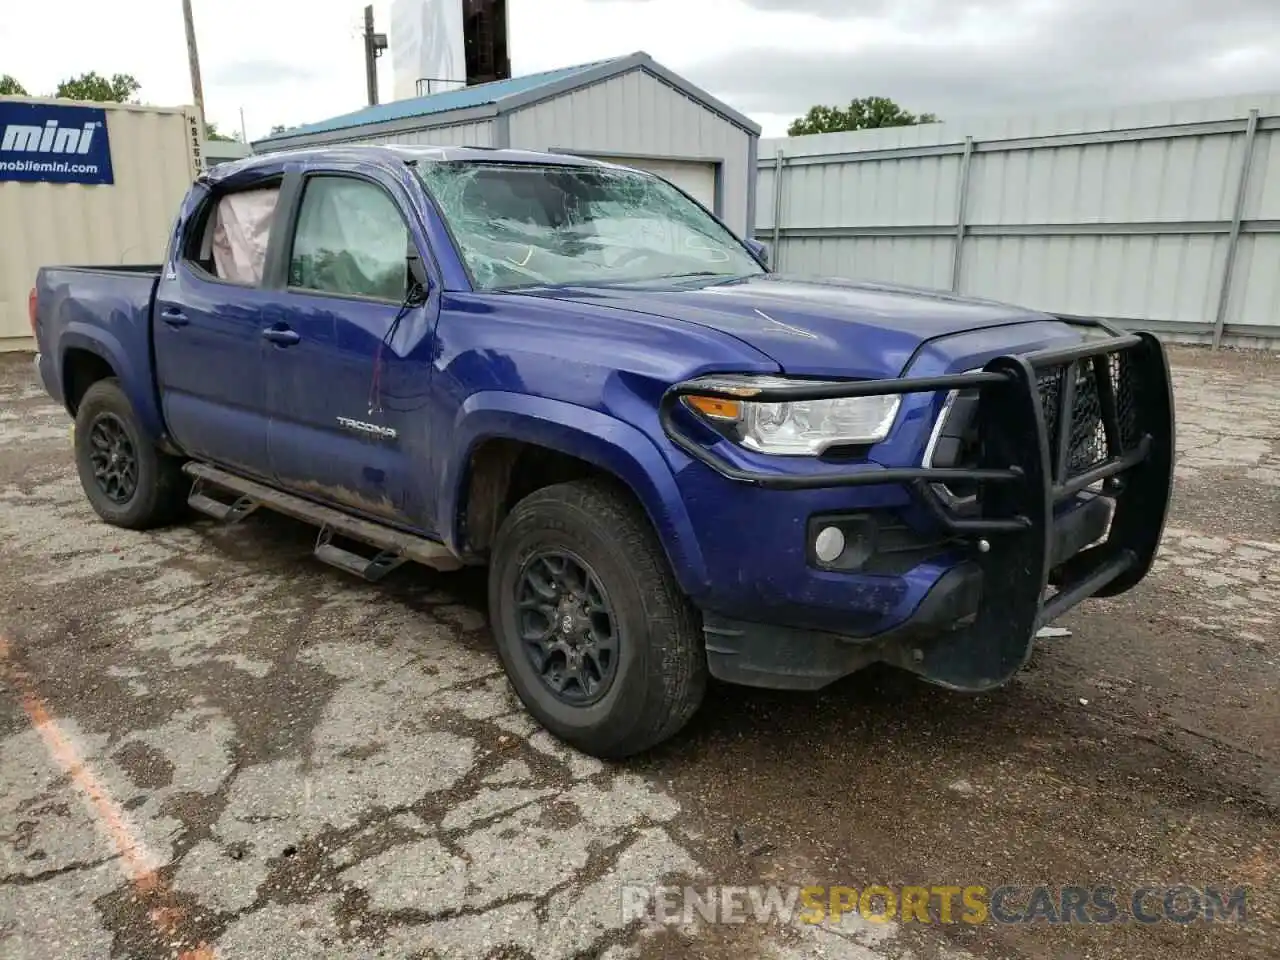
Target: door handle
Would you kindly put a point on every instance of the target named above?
(174, 317)
(283, 337)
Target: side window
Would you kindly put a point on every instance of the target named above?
(230, 241)
(350, 239)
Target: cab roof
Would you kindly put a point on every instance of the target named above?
(391, 154)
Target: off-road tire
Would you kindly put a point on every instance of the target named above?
(159, 496)
(661, 662)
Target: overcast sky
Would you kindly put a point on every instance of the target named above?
(295, 61)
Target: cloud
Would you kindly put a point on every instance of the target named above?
(773, 59)
(252, 73)
(983, 56)
(918, 11)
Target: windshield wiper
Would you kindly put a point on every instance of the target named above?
(722, 277)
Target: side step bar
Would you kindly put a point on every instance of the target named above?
(394, 546)
(370, 568)
(219, 509)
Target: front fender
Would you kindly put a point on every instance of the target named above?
(615, 447)
(135, 382)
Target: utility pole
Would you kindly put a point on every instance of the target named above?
(374, 44)
(193, 61)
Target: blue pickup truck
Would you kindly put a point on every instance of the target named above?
(675, 463)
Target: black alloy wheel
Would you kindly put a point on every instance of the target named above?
(115, 462)
(567, 626)
(598, 640)
(127, 479)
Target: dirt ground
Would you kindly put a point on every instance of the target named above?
(213, 746)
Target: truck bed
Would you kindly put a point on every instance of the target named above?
(148, 268)
(104, 311)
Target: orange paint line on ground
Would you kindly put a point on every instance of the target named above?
(137, 862)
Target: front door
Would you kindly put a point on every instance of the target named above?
(209, 350)
(347, 387)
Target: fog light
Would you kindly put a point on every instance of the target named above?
(828, 544)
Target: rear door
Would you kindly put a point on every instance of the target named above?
(347, 388)
(210, 311)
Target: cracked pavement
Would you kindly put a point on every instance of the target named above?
(283, 761)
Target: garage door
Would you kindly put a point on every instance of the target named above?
(696, 179)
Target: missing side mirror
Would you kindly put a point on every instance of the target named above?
(419, 280)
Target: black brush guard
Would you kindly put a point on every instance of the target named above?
(1050, 424)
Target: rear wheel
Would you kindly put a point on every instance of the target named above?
(599, 642)
(129, 483)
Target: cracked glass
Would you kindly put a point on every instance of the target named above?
(523, 225)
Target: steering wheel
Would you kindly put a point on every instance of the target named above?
(516, 266)
(492, 252)
(631, 256)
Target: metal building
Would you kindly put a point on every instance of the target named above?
(111, 200)
(1163, 216)
(628, 110)
(215, 152)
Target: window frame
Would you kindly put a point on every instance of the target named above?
(200, 222)
(284, 257)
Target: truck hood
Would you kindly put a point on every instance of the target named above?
(813, 327)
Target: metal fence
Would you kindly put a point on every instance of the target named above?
(1165, 217)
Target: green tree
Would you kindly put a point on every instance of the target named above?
(120, 88)
(211, 133)
(864, 114)
(278, 128)
(10, 87)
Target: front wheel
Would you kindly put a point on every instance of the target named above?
(595, 635)
(128, 481)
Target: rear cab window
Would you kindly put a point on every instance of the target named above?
(229, 235)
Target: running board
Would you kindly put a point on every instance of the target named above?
(210, 506)
(368, 568)
(394, 546)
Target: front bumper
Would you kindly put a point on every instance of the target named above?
(966, 633)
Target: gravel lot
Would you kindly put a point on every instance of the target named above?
(213, 746)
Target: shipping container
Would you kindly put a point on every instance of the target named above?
(72, 192)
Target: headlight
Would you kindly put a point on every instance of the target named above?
(797, 427)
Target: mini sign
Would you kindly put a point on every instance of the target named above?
(53, 143)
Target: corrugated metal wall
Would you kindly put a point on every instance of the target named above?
(1135, 214)
(128, 221)
(637, 114)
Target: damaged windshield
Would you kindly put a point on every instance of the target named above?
(531, 225)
